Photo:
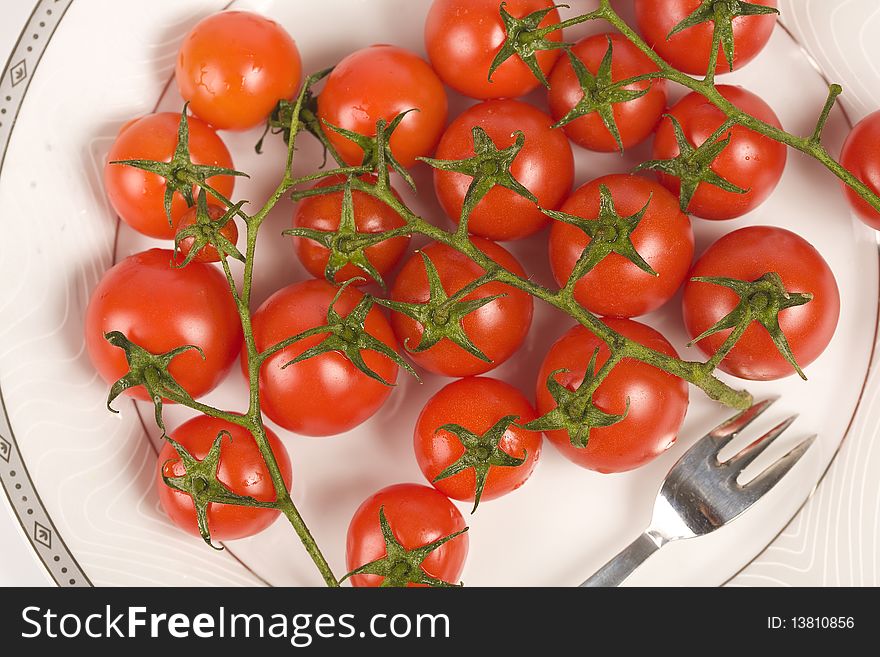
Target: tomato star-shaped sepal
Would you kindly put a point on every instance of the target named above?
(575, 411)
(693, 166)
(526, 39)
(489, 166)
(760, 301)
(181, 173)
(148, 370)
(721, 13)
(609, 233)
(599, 94)
(207, 232)
(441, 316)
(400, 566)
(200, 482)
(481, 453)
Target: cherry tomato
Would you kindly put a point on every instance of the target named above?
(635, 119)
(689, 50)
(242, 470)
(751, 160)
(663, 238)
(748, 254)
(658, 401)
(234, 66)
(380, 82)
(208, 253)
(418, 515)
(137, 196)
(325, 394)
(463, 37)
(860, 156)
(370, 216)
(475, 403)
(161, 308)
(497, 329)
(545, 166)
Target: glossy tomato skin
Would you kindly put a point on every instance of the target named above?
(208, 253)
(658, 401)
(689, 50)
(748, 254)
(161, 308)
(498, 328)
(616, 286)
(137, 196)
(380, 82)
(859, 155)
(463, 37)
(325, 394)
(370, 216)
(234, 66)
(242, 470)
(635, 119)
(418, 515)
(751, 161)
(545, 166)
(475, 403)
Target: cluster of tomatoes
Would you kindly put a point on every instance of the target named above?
(234, 67)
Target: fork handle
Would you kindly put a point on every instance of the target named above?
(622, 566)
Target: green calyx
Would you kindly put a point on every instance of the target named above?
(760, 301)
(693, 166)
(441, 316)
(599, 93)
(200, 482)
(575, 411)
(151, 371)
(526, 39)
(721, 13)
(609, 233)
(400, 566)
(207, 232)
(481, 453)
(181, 173)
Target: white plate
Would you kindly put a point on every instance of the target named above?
(88, 475)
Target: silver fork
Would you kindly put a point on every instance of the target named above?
(700, 493)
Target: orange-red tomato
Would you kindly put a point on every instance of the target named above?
(859, 156)
(208, 253)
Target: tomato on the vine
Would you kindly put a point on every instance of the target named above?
(136, 195)
(209, 252)
(544, 166)
(418, 515)
(746, 255)
(381, 82)
(160, 308)
(653, 401)
(860, 156)
(463, 37)
(663, 238)
(241, 469)
(234, 66)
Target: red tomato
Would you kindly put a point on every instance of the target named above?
(463, 37)
(370, 216)
(616, 286)
(326, 394)
(747, 254)
(751, 161)
(859, 156)
(689, 50)
(161, 308)
(418, 515)
(380, 82)
(235, 66)
(635, 119)
(208, 253)
(475, 403)
(242, 470)
(497, 329)
(545, 166)
(658, 401)
(137, 196)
